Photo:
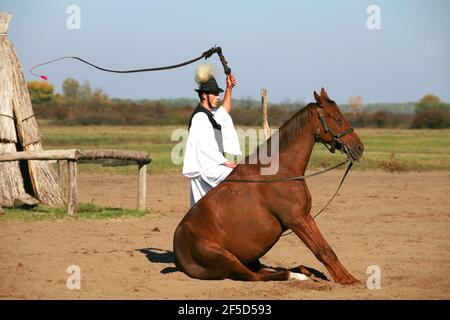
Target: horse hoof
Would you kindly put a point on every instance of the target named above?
(297, 276)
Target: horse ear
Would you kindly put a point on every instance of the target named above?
(317, 97)
(324, 94)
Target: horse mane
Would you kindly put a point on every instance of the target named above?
(288, 131)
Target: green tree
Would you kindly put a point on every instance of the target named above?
(431, 119)
(40, 91)
(431, 113)
(71, 88)
(380, 118)
(99, 101)
(85, 92)
(430, 99)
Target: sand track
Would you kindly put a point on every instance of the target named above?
(399, 222)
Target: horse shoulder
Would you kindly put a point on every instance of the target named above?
(290, 202)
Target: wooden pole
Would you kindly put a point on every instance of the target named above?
(40, 155)
(73, 188)
(142, 187)
(265, 123)
(75, 154)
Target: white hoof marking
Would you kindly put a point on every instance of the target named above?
(297, 276)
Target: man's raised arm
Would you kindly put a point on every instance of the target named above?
(231, 82)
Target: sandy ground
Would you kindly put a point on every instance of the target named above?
(399, 222)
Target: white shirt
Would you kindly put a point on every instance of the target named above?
(202, 155)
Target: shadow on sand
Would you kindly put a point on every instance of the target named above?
(156, 255)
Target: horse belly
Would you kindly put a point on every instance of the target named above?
(251, 239)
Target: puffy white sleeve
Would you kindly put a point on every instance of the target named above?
(202, 151)
(230, 138)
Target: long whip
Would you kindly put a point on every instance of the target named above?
(205, 55)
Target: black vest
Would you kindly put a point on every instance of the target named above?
(217, 128)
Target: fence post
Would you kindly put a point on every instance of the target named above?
(142, 187)
(265, 123)
(73, 188)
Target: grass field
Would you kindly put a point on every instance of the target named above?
(84, 212)
(389, 149)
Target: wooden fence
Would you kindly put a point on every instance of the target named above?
(69, 159)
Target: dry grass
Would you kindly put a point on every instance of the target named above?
(392, 164)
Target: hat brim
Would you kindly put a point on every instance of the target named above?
(220, 90)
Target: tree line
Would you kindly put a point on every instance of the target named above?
(80, 105)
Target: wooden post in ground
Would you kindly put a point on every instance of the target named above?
(142, 187)
(73, 188)
(265, 123)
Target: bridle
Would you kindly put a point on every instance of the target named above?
(335, 138)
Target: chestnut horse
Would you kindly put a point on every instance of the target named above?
(225, 233)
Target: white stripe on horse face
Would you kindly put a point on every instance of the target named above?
(297, 276)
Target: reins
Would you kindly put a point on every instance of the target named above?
(350, 164)
(336, 138)
(289, 179)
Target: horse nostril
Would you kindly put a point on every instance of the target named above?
(361, 148)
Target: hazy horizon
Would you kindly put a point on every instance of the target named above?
(288, 47)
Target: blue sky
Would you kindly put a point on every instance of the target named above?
(289, 47)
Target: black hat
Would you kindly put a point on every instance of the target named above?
(210, 86)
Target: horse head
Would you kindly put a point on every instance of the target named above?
(333, 130)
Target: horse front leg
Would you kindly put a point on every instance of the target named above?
(307, 230)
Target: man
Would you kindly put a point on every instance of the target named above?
(211, 134)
